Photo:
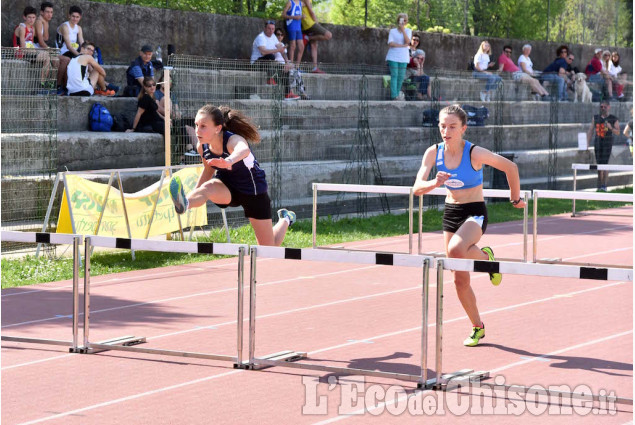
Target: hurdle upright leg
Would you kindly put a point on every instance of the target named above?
(75, 293)
(425, 294)
(239, 320)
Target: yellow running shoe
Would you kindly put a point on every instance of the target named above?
(476, 335)
(495, 278)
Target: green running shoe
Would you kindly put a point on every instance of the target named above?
(282, 213)
(495, 278)
(476, 335)
(178, 195)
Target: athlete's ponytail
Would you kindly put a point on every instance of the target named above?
(232, 120)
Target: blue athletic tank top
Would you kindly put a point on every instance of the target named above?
(464, 176)
(295, 10)
(245, 176)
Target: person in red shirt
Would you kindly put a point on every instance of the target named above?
(507, 65)
(595, 73)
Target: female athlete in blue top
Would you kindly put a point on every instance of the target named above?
(460, 168)
(231, 175)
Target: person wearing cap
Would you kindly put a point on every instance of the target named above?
(139, 69)
(603, 126)
(595, 73)
(416, 74)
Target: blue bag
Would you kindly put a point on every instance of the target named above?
(97, 56)
(99, 118)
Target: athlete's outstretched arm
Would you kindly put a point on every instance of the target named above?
(482, 156)
(238, 150)
(422, 184)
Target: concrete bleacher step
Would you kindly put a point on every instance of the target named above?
(72, 113)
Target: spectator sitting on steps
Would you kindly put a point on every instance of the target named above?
(24, 38)
(139, 69)
(505, 64)
(556, 72)
(85, 76)
(416, 74)
(263, 52)
(148, 118)
(481, 66)
(595, 73)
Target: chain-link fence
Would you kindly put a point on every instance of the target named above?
(29, 136)
(343, 127)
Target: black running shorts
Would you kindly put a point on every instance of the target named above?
(455, 215)
(255, 206)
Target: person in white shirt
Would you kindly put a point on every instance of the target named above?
(481, 66)
(616, 70)
(398, 55)
(525, 63)
(263, 52)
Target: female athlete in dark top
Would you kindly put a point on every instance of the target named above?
(231, 175)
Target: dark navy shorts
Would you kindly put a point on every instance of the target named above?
(255, 206)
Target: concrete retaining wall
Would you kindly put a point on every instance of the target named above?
(120, 31)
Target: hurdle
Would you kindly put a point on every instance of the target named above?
(407, 190)
(58, 239)
(447, 381)
(598, 167)
(557, 194)
(127, 343)
(289, 358)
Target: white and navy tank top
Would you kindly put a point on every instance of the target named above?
(464, 176)
(245, 176)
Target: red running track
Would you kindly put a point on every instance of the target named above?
(540, 331)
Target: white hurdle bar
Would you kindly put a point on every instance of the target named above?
(407, 190)
(558, 194)
(528, 269)
(287, 357)
(356, 188)
(58, 239)
(238, 250)
(599, 167)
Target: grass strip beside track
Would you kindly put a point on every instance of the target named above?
(30, 270)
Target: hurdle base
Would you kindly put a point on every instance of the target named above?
(287, 356)
(125, 341)
(452, 380)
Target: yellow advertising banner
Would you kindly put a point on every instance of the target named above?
(87, 198)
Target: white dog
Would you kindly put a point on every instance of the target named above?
(581, 89)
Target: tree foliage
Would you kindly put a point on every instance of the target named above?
(598, 22)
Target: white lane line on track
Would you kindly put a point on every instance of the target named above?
(133, 397)
(363, 411)
(37, 361)
(217, 291)
(208, 378)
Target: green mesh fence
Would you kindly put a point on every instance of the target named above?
(29, 137)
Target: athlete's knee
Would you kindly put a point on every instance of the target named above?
(328, 35)
(456, 250)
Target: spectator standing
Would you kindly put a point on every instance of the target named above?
(398, 55)
(481, 66)
(556, 71)
(505, 64)
(603, 127)
(139, 69)
(314, 33)
(293, 14)
(595, 73)
(70, 35)
(85, 74)
(148, 119)
(263, 51)
(417, 75)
